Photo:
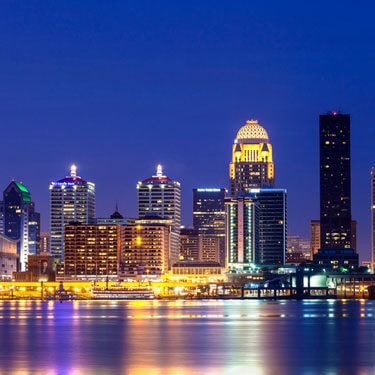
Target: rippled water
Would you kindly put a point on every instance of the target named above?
(203, 337)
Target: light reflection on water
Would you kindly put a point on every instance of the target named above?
(184, 337)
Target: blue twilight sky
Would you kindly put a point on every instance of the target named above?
(119, 86)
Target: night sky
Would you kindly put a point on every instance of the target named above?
(118, 87)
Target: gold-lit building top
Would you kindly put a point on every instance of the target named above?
(252, 160)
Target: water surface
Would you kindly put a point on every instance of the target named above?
(199, 337)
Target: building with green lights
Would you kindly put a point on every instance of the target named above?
(21, 221)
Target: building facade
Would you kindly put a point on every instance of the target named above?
(335, 190)
(40, 267)
(160, 197)
(8, 257)
(298, 250)
(189, 244)
(252, 161)
(209, 216)
(72, 199)
(272, 225)
(45, 245)
(315, 235)
(242, 233)
(92, 251)
(147, 250)
(209, 248)
(21, 221)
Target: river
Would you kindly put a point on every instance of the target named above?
(187, 337)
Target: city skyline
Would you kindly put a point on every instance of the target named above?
(113, 108)
(188, 211)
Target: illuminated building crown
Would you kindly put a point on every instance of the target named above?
(252, 132)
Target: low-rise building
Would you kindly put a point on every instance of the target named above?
(40, 267)
(147, 250)
(8, 257)
(194, 269)
(92, 251)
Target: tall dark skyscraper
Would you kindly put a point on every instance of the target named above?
(209, 215)
(21, 222)
(335, 200)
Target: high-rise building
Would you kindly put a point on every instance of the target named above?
(92, 251)
(209, 216)
(242, 232)
(252, 163)
(315, 235)
(45, 246)
(272, 225)
(147, 250)
(335, 191)
(72, 200)
(21, 222)
(189, 244)
(373, 219)
(336, 226)
(160, 197)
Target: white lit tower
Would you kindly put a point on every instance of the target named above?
(159, 197)
(72, 200)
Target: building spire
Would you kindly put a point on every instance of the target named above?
(73, 170)
(159, 171)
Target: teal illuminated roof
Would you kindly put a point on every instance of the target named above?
(23, 188)
(26, 196)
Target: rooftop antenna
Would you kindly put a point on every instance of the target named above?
(73, 170)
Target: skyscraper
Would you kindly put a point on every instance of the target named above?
(335, 192)
(242, 232)
(252, 164)
(21, 222)
(72, 200)
(272, 225)
(315, 235)
(209, 216)
(160, 197)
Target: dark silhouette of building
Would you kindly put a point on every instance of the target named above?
(336, 227)
(335, 194)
